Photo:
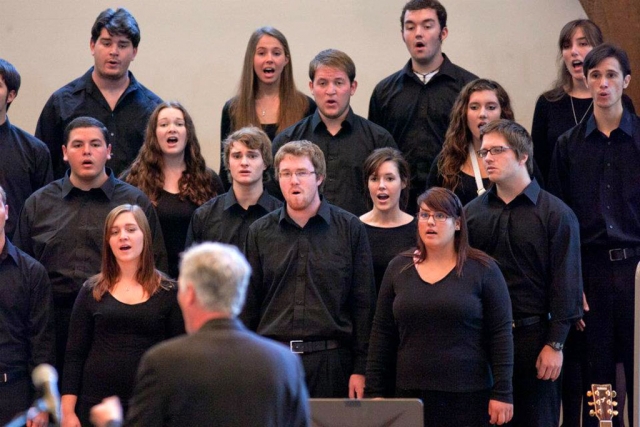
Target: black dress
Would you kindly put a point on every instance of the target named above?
(107, 338)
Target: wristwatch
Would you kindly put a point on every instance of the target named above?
(557, 346)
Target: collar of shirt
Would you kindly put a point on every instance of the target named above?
(4, 128)
(324, 213)
(446, 69)
(87, 83)
(230, 200)
(531, 192)
(107, 188)
(8, 251)
(347, 123)
(626, 125)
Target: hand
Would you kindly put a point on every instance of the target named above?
(39, 420)
(549, 364)
(70, 419)
(109, 410)
(500, 412)
(580, 325)
(356, 386)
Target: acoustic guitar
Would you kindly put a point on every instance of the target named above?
(603, 404)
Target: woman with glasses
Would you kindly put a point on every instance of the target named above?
(457, 167)
(444, 318)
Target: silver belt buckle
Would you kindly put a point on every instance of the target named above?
(291, 346)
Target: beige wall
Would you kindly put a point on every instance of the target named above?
(192, 50)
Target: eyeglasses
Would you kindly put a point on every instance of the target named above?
(301, 174)
(493, 150)
(438, 216)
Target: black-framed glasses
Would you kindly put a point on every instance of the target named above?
(437, 216)
(300, 174)
(493, 150)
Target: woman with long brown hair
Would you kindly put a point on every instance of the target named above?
(267, 95)
(443, 317)
(118, 315)
(171, 171)
(457, 167)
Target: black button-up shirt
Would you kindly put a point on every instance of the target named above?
(535, 239)
(62, 227)
(311, 283)
(222, 219)
(599, 178)
(126, 123)
(417, 114)
(26, 312)
(344, 153)
(25, 166)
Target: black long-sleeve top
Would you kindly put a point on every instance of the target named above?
(25, 166)
(61, 226)
(26, 312)
(599, 178)
(107, 339)
(453, 335)
(311, 283)
(536, 240)
(222, 219)
(344, 153)
(553, 118)
(417, 114)
(126, 123)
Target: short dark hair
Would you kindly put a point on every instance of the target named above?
(10, 76)
(335, 59)
(441, 12)
(85, 122)
(604, 51)
(119, 22)
(517, 137)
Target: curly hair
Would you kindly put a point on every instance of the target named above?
(455, 148)
(146, 170)
(293, 103)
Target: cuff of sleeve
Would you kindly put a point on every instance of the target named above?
(558, 331)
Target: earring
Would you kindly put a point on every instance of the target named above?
(457, 227)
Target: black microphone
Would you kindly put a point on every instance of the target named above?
(45, 378)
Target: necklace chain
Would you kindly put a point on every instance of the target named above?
(575, 118)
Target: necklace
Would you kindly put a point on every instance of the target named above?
(575, 118)
(427, 76)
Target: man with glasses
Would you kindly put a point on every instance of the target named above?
(312, 285)
(535, 238)
(345, 138)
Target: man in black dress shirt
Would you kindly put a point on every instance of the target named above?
(25, 163)
(595, 171)
(414, 103)
(227, 217)
(108, 92)
(312, 285)
(345, 138)
(26, 324)
(61, 225)
(535, 238)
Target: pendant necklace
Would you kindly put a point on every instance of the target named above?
(575, 118)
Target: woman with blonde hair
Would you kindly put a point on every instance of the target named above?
(171, 171)
(118, 315)
(267, 94)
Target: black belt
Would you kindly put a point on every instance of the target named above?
(528, 321)
(11, 376)
(299, 346)
(620, 254)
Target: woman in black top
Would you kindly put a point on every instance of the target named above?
(389, 228)
(267, 94)
(118, 315)
(444, 316)
(457, 167)
(171, 171)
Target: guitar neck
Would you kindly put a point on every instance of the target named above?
(605, 424)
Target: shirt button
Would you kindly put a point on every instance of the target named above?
(611, 226)
(111, 133)
(608, 142)
(608, 164)
(608, 186)
(608, 207)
